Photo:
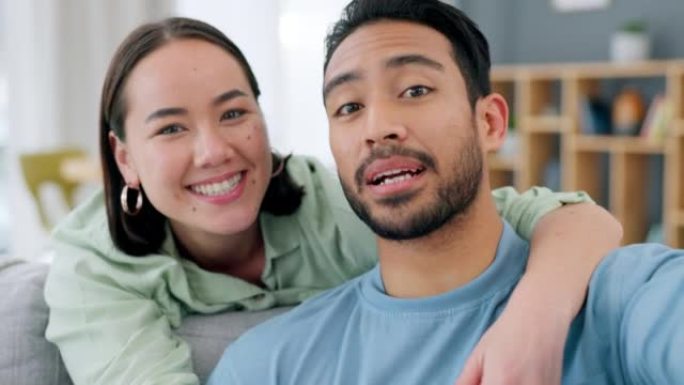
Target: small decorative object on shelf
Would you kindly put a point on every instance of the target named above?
(628, 112)
(595, 116)
(630, 43)
(658, 120)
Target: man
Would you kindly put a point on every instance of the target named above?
(411, 118)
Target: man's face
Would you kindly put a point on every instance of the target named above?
(402, 130)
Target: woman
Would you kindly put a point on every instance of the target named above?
(201, 217)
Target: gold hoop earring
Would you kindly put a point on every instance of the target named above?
(124, 201)
(281, 166)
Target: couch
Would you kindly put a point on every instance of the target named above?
(27, 358)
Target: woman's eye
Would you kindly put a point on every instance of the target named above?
(348, 109)
(170, 129)
(232, 114)
(416, 91)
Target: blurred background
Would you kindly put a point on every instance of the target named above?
(54, 53)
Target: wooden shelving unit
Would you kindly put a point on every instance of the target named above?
(616, 145)
(546, 105)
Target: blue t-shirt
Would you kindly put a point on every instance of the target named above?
(631, 330)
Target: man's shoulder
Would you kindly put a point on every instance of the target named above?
(635, 306)
(638, 260)
(628, 269)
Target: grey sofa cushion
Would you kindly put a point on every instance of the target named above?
(208, 336)
(27, 358)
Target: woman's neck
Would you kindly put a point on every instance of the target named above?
(241, 255)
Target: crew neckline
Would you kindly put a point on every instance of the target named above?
(504, 271)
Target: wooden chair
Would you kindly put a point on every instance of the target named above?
(43, 168)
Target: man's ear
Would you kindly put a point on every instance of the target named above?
(492, 118)
(124, 161)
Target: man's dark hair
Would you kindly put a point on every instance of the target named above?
(470, 47)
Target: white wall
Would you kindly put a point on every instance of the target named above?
(253, 26)
(303, 27)
(283, 41)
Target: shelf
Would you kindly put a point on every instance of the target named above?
(616, 144)
(545, 124)
(678, 127)
(554, 134)
(504, 75)
(617, 70)
(651, 68)
(498, 163)
(679, 218)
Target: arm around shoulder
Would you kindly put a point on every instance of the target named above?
(568, 241)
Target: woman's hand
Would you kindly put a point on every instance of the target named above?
(525, 345)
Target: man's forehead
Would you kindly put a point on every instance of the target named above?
(379, 41)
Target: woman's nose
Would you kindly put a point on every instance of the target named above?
(211, 148)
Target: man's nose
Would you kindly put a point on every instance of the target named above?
(384, 124)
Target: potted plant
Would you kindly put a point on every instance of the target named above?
(630, 42)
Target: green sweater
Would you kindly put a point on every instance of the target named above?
(112, 315)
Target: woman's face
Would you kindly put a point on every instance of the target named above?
(195, 139)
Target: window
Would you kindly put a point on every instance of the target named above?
(4, 128)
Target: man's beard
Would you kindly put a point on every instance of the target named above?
(452, 199)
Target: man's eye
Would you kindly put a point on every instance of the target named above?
(348, 109)
(232, 114)
(416, 91)
(170, 129)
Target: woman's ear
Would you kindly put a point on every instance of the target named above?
(492, 117)
(124, 161)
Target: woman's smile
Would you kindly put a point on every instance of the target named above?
(221, 190)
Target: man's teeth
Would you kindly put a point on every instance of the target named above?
(220, 188)
(394, 176)
(396, 179)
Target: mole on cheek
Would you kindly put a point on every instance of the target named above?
(249, 137)
(253, 181)
(194, 209)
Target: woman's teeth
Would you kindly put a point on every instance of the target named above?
(220, 188)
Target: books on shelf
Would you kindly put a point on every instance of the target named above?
(658, 120)
(595, 117)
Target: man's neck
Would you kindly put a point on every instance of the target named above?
(448, 258)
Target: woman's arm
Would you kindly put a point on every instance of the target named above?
(526, 344)
(106, 332)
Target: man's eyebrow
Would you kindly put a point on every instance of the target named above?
(394, 62)
(228, 95)
(164, 112)
(338, 81)
(399, 61)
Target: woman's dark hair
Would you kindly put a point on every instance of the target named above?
(470, 47)
(144, 233)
